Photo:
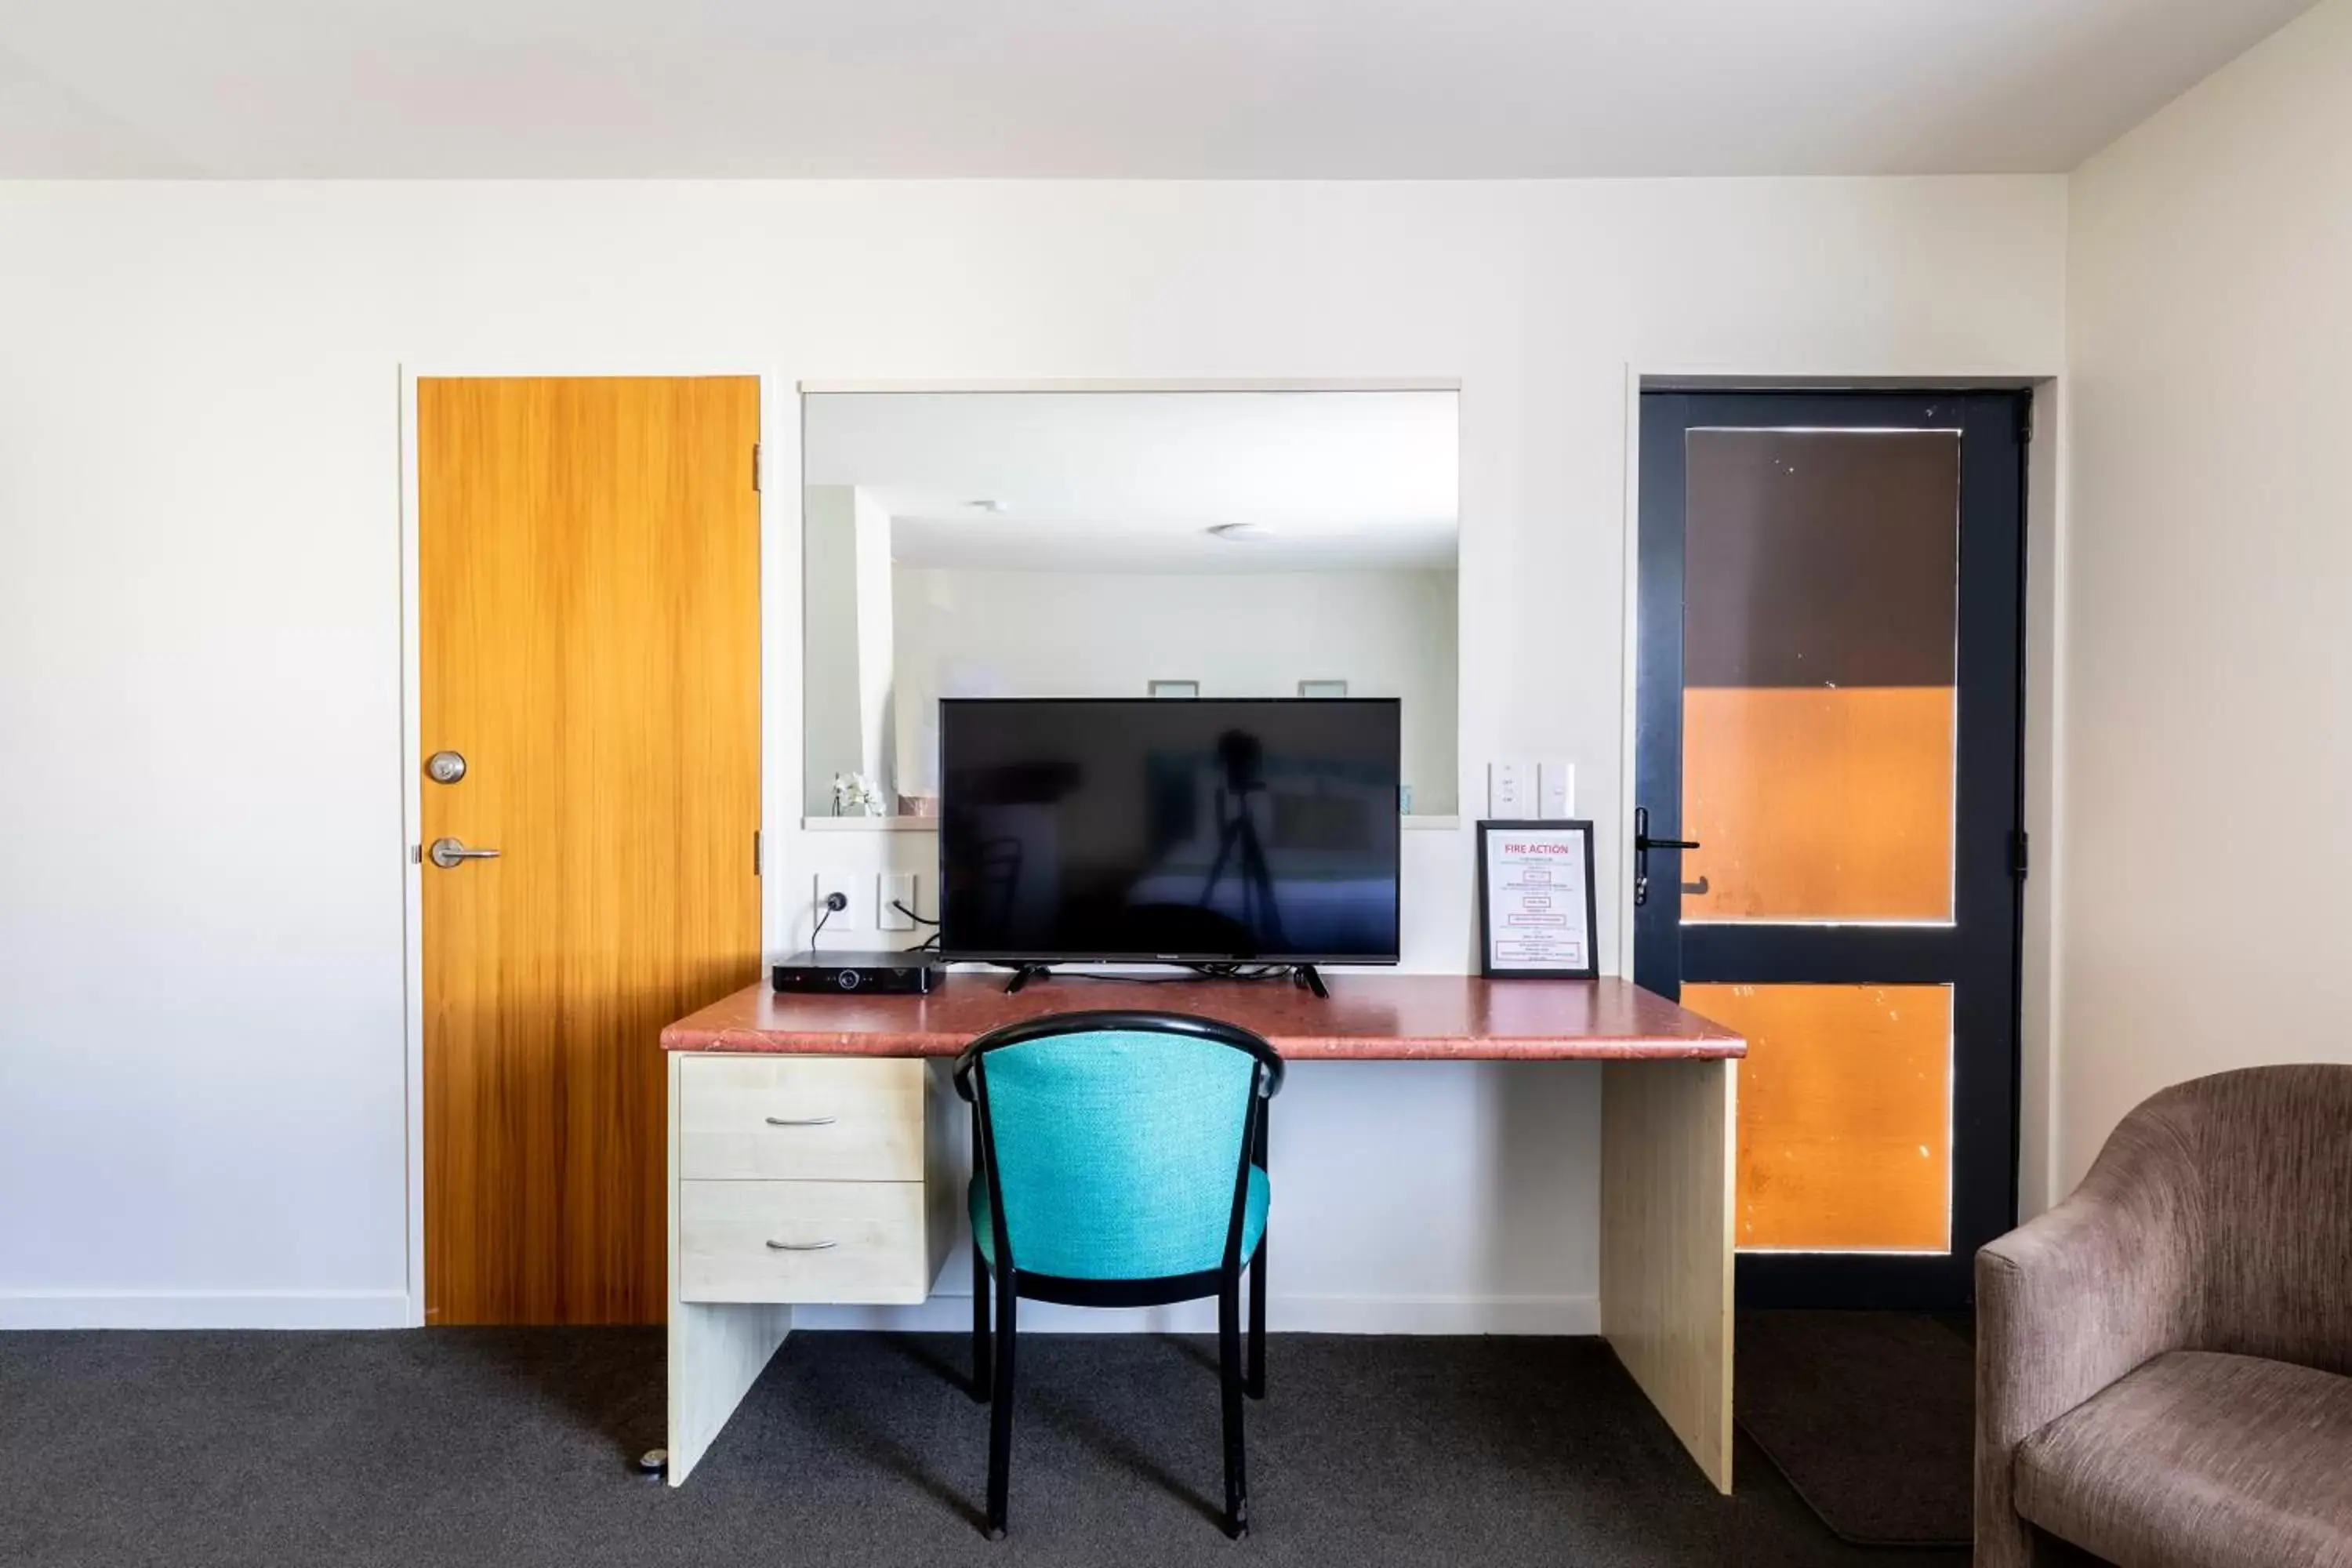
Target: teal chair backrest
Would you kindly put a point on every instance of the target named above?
(1118, 1150)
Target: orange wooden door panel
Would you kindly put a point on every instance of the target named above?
(588, 571)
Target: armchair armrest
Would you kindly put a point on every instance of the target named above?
(2069, 1302)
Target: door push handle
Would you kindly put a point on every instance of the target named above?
(802, 1120)
(1643, 845)
(446, 853)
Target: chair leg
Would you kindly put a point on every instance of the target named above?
(1255, 1384)
(1229, 1364)
(999, 1417)
(983, 1372)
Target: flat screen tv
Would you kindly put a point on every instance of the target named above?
(1169, 830)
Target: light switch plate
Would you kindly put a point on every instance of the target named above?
(844, 918)
(1555, 789)
(892, 890)
(1510, 788)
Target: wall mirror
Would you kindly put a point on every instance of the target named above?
(1120, 545)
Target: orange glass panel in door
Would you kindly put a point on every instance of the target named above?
(1819, 664)
(1818, 804)
(1845, 1114)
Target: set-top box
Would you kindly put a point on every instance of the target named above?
(848, 972)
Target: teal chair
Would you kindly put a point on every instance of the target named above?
(1120, 1161)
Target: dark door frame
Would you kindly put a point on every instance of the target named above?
(1981, 952)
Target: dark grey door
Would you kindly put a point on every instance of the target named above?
(1828, 755)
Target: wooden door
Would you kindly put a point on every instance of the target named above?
(588, 576)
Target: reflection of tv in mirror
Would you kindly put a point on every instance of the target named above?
(1213, 831)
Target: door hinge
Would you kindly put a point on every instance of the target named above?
(756, 474)
(2025, 419)
(756, 869)
(2020, 859)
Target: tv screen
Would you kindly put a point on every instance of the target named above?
(1173, 830)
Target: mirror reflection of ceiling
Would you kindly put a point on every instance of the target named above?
(1135, 481)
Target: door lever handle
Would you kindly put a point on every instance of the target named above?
(1643, 845)
(446, 853)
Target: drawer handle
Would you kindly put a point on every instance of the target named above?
(802, 1120)
(803, 1245)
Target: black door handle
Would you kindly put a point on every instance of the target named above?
(1643, 845)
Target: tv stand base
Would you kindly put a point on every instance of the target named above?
(1301, 975)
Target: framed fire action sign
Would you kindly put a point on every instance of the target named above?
(1536, 910)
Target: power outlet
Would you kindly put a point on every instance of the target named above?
(894, 896)
(843, 918)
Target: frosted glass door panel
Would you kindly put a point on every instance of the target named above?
(1845, 1114)
(1819, 719)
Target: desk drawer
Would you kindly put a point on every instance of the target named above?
(820, 1119)
(802, 1241)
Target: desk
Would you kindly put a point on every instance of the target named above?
(808, 1137)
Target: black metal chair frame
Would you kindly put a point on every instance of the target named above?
(992, 1364)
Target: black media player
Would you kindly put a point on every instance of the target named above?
(884, 974)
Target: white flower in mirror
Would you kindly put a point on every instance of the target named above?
(854, 795)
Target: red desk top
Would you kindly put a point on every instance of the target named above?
(1368, 1018)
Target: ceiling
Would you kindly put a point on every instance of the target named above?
(1126, 88)
(1132, 481)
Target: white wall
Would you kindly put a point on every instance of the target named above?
(877, 643)
(202, 1070)
(2208, 742)
(831, 709)
(847, 609)
(1239, 634)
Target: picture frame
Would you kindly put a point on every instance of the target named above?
(1533, 924)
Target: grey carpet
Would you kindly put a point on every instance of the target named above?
(1870, 1416)
(515, 1447)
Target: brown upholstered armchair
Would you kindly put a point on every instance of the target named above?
(2160, 1358)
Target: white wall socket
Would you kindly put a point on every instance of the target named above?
(844, 918)
(1555, 789)
(1510, 788)
(892, 890)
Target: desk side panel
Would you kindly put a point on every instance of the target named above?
(1666, 1176)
